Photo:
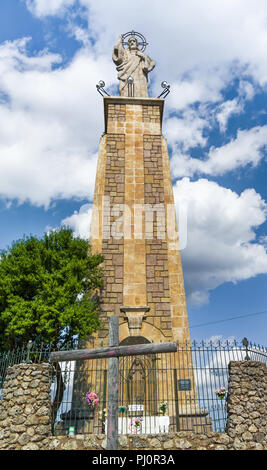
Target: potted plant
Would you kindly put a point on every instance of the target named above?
(163, 407)
(122, 409)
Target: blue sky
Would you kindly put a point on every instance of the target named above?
(213, 54)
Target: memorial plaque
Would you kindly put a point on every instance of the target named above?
(136, 407)
(184, 385)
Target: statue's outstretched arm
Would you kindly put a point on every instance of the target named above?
(117, 55)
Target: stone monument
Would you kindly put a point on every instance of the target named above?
(134, 222)
(134, 227)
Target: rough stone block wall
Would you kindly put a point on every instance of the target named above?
(25, 409)
(112, 244)
(158, 293)
(247, 404)
(174, 441)
(151, 114)
(25, 416)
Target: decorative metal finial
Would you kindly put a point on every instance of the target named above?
(100, 88)
(130, 81)
(29, 346)
(166, 89)
(245, 343)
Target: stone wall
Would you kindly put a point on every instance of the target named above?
(247, 403)
(112, 243)
(25, 416)
(25, 409)
(176, 441)
(157, 274)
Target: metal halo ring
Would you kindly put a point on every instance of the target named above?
(142, 43)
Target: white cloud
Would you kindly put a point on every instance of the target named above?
(227, 109)
(48, 7)
(50, 119)
(190, 128)
(221, 238)
(187, 130)
(248, 148)
(235, 106)
(80, 221)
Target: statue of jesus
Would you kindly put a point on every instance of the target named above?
(132, 62)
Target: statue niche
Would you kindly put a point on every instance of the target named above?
(138, 380)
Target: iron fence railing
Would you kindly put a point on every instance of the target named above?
(185, 384)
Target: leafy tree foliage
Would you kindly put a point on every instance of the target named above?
(47, 289)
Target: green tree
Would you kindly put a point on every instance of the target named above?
(48, 293)
(47, 290)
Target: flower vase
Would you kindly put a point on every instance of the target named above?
(138, 429)
(91, 410)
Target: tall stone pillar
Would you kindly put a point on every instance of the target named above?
(134, 225)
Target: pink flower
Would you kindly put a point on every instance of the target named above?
(135, 423)
(92, 399)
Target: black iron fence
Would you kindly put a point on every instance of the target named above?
(186, 390)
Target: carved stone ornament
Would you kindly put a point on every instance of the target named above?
(135, 317)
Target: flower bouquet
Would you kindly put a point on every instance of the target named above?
(221, 393)
(163, 407)
(135, 425)
(92, 399)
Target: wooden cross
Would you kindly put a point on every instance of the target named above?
(113, 352)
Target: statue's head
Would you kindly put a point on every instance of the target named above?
(132, 43)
